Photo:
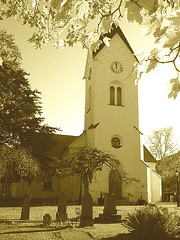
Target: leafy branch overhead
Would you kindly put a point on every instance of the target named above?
(65, 22)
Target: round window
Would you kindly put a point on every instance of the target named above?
(115, 142)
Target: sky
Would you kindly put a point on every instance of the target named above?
(58, 75)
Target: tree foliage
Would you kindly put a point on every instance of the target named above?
(18, 164)
(9, 52)
(163, 148)
(86, 161)
(70, 21)
(21, 124)
(167, 168)
(161, 143)
(152, 223)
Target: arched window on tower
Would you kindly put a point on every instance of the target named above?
(116, 94)
(112, 95)
(119, 96)
(89, 98)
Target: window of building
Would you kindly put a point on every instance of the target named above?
(119, 96)
(90, 73)
(89, 98)
(116, 141)
(112, 95)
(116, 95)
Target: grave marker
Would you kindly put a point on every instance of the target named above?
(86, 218)
(109, 204)
(47, 219)
(61, 214)
(109, 212)
(26, 207)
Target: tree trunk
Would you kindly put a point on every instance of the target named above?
(80, 192)
(86, 184)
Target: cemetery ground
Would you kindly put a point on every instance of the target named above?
(11, 227)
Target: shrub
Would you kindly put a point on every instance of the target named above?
(153, 223)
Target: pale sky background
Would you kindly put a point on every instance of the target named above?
(58, 75)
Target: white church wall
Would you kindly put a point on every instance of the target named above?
(116, 120)
(149, 185)
(100, 184)
(152, 165)
(35, 189)
(89, 93)
(68, 185)
(156, 187)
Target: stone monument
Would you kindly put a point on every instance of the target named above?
(109, 204)
(86, 218)
(109, 212)
(47, 220)
(26, 207)
(61, 215)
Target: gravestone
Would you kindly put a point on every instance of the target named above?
(86, 218)
(47, 219)
(109, 204)
(101, 199)
(25, 207)
(109, 212)
(61, 215)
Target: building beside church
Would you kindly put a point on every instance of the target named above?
(111, 124)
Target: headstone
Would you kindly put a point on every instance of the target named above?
(61, 215)
(109, 204)
(101, 199)
(47, 219)
(86, 218)
(25, 207)
(109, 212)
(171, 198)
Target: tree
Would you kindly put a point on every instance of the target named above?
(23, 136)
(162, 147)
(18, 164)
(86, 162)
(161, 143)
(167, 169)
(87, 22)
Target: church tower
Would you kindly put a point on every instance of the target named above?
(111, 116)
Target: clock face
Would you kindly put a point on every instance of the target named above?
(115, 142)
(116, 67)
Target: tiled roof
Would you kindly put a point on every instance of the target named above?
(62, 141)
(148, 157)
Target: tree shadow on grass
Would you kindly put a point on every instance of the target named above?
(122, 236)
(129, 236)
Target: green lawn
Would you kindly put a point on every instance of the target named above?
(98, 231)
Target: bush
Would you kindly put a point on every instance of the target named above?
(153, 223)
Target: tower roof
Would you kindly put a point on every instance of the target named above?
(148, 157)
(110, 35)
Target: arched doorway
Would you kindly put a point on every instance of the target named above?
(115, 184)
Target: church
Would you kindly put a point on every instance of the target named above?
(110, 124)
